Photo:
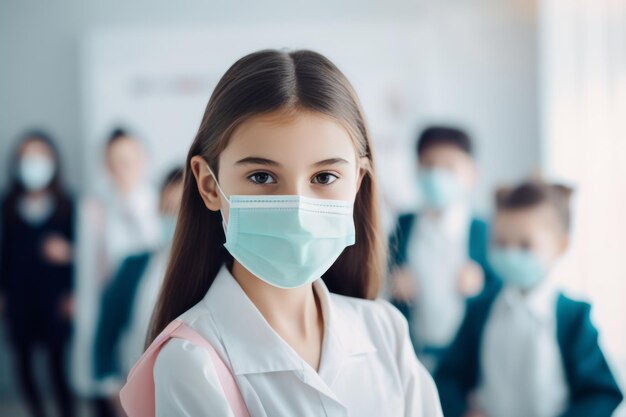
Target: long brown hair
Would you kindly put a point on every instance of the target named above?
(265, 82)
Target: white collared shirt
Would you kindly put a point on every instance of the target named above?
(367, 366)
(437, 252)
(522, 370)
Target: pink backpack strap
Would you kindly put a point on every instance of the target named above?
(231, 390)
(137, 396)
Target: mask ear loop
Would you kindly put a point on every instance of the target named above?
(219, 189)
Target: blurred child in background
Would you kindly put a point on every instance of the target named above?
(439, 253)
(36, 267)
(114, 224)
(129, 298)
(150, 284)
(526, 349)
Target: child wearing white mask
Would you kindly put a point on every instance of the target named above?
(526, 349)
(439, 253)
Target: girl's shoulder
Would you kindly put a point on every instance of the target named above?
(199, 319)
(186, 380)
(181, 363)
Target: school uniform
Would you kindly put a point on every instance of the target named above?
(533, 355)
(367, 368)
(434, 250)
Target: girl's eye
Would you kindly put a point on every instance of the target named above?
(262, 178)
(325, 178)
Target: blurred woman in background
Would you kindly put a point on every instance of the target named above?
(113, 223)
(129, 298)
(36, 266)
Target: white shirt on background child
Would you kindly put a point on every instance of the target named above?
(437, 252)
(522, 371)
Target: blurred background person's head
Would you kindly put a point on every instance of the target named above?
(36, 190)
(35, 165)
(531, 231)
(169, 203)
(447, 172)
(126, 160)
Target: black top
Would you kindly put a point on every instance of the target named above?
(28, 281)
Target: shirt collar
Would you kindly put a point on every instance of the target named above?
(253, 346)
(540, 301)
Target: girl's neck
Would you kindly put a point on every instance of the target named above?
(290, 312)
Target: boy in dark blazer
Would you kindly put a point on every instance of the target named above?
(439, 253)
(524, 348)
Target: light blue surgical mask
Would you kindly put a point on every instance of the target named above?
(287, 240)
(440, 188)
(35, 172)
(517, 267)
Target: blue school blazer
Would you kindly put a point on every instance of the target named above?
(116, 307)
(478, 246)
(593, 389)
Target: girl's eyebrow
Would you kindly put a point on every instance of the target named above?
(264, 161)
(330, 161)
(256, 160)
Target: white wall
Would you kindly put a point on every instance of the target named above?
(583, 102)
(478, 56)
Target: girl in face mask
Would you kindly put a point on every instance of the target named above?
(527, 349)
(36, 266)
(277, 258)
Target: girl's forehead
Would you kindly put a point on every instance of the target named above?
(301, 135)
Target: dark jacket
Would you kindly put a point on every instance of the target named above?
(478, 245)
(116, 308)
(593, 390)
(32, 286)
